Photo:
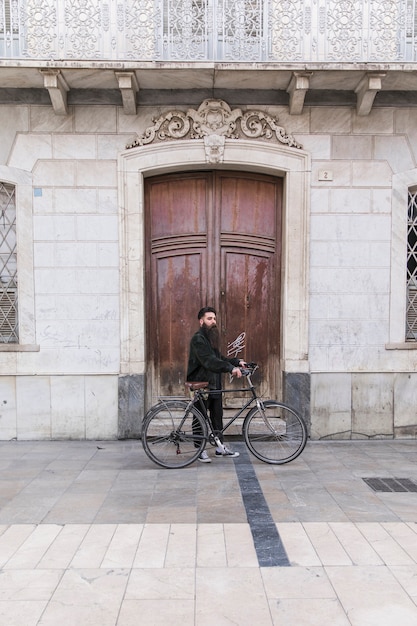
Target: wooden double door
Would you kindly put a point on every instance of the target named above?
(212, 238)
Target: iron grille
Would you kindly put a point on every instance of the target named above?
(8, 265)
(411, 316)
(386, 485)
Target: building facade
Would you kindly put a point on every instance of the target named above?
(157, 156)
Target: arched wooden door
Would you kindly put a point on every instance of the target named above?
(212, 238)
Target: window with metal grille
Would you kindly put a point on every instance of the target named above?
(411, 321)
(8, 265)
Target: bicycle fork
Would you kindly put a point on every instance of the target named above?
(261, 410)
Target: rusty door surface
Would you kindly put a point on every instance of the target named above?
(212, 238)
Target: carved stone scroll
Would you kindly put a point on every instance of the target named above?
(214, 121)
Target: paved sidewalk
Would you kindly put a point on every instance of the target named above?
(93, 533)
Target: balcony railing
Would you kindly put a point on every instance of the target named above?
(284, 31)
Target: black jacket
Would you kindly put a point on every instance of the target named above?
(205, 363)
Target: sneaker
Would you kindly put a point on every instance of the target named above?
(227, 452)
(204, 457)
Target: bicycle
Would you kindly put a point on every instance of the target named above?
(176, 430)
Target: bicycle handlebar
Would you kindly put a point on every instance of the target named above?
(249, 369)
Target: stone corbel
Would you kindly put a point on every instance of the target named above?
(129, 87)
(298, 87)
(58, 89)
(366, 91)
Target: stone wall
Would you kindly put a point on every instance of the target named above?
(72, 380)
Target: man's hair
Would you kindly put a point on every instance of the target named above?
(204, 310)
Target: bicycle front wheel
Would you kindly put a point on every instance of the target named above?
(275, 433)
(172, 436)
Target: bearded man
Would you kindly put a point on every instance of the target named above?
(206, 364)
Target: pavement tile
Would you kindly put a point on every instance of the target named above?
(94, 533)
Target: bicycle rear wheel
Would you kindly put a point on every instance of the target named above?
(173, 437)
(275, 434)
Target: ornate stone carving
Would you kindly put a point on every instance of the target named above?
(214, 121)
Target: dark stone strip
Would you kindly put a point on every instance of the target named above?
(268, 544)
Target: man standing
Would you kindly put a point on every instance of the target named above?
(206, 364)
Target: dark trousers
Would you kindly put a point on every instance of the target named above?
(214, 408)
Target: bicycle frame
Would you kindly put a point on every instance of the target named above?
(250, 388)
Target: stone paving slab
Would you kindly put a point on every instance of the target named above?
(92, 533)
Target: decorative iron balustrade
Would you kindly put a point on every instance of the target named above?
(411, 315)
(8, 265)
(210, 30)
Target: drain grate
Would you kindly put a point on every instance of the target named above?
(397, 485)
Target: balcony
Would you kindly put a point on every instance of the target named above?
(227, 31)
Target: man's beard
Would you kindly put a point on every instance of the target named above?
(213, 335)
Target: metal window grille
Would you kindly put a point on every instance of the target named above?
(8, 265)
(411, 321)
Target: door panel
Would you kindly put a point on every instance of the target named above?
(247, 313)
(178, 288)
(212, 238)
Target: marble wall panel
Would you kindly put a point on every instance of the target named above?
(14, 119)
(380, 121)
(42, 200)
(67, 407)
(74, 146)
(108, 254)
(372, 405)
(54, 174)
(95, 119)
(33, 403)
(331, 120)
(381, 201)
(320, 200)
(351, 147)
(110, 146)
(28, 149)
(136, 124)
(97, 227)
(350, 200)
(77, 281)
(371, 174)
(405, 401)
(299, 124)
(96, 173)
(78, 254)
(8, 412)
(356, 227)
(101, 402)
(319, 145)
(364, 358)
(78, 333)
(331, 403)
(340, 254)
(340, 173)
(395, 151)
(361, 405)
(349, 307)
(54, 228)
(72, 200)
(107, 201)
(44, 119)
(101, 360)
(406, 123)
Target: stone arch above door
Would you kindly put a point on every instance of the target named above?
(159, 157)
